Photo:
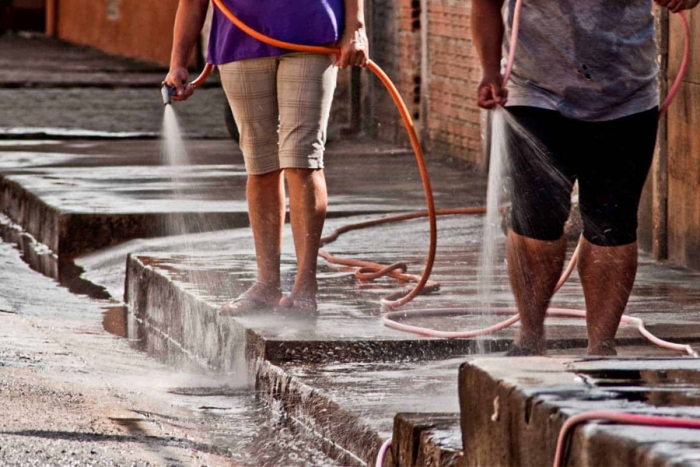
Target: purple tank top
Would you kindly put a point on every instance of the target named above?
(309, 22)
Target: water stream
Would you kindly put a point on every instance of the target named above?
(492, 236)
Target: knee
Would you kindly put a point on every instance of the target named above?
(539, 224)
(610, 234)
(268, 179)
(609, 228)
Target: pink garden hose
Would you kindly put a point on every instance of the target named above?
(389, 319)
(617, 417)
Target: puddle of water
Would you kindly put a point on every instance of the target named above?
(659, 388)
(22, 142)
(114, 320)
(69, 133)
(238, 423)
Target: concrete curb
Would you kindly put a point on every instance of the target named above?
(512, 417)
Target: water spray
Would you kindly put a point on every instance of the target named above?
(369, 270)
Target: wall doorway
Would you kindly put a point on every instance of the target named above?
(22, 15)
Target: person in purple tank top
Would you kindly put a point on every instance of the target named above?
(281, 103)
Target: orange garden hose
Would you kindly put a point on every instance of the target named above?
(415, 143)
(369, 270)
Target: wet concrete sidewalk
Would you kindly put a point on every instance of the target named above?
(340, 364)
(79, 196)
(172, 382)
(49, 88)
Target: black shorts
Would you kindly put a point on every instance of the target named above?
(610, 160)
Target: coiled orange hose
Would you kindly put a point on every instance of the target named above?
(422, 281)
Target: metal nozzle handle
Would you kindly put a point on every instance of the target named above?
(167, 92)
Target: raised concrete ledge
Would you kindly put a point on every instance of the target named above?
(26, 209)
(427, 439)
(192, 326)
(365, 350)
(339, 333)
(83, 196)
(336, 390)
(69, 234)
(355, 405)
(40, 258)
(513, 409)
(155, 295)
(352, 440)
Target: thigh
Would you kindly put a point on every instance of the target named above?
(541, 178)
(614, 167)
(251, 89)
(305, 87)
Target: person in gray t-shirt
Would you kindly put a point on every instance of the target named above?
(584, 86)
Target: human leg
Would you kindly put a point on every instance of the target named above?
(607, 275)
(534, 267)
(251, 88)
(541, 185)
(306, 83)
(266, 208)
(614, 168)
(308, 203)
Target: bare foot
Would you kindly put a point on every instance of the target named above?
(526, 347)
(302, 298)
(299, 304)
(518, 351)
(259, 297)
(604, 348)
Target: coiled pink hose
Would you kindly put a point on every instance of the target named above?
(389, 319)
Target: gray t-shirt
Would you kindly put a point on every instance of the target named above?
(588, 59)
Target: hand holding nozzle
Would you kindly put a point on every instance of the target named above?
(176, 86)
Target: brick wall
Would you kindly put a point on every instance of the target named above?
(453, 120)
(431, 57)
(395, 46)
(139, 29)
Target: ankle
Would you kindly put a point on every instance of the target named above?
(534, 342)
(604, 348)
(305, 289)
(268, 284)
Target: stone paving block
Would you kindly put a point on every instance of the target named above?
(512, 410)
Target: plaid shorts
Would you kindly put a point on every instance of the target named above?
(281, 106)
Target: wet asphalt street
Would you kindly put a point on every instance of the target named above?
(72, 394)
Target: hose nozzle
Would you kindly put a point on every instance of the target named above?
(167, 92)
